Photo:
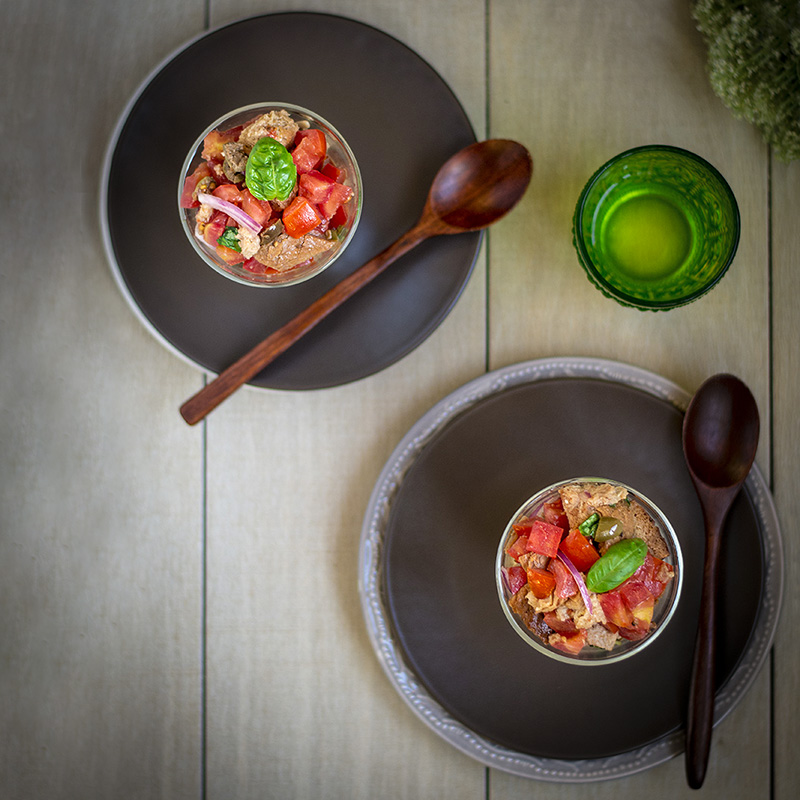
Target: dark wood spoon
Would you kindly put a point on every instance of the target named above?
(474, 188)
(720, 438)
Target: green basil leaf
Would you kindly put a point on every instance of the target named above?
(616, 565)
(270, 173)
(589, 525)
(230, 239)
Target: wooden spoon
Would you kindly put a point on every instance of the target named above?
(472, 189)
(720, 438)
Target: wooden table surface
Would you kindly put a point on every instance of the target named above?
(153, 641)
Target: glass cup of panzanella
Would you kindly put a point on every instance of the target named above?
(589, 571)
(270, 195)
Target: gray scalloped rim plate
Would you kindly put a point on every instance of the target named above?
(427, 584)
(370, 86)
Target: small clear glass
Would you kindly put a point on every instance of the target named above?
(664, 607)
(339, 153)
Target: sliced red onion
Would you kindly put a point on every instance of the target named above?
(234, 212)
(578, 579)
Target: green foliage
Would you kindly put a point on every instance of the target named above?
(754, 64)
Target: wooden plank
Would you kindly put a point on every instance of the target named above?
(298, 705)
(101, 563)
(786, 377)
(579, 83)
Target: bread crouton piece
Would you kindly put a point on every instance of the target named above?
(581, 500)
(277, 124)
(600, 636)
(521, 607)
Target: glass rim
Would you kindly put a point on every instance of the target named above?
(620, 295)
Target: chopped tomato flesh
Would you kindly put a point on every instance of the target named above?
(337, 197)
(300, 217)
(516, 578)
(339, 218)
(571, 643)
(315, 186)
(228, 255)
(617, 613)
(215, 227)
(216, 140)
(331, 170)
(517, 547)
(554, 514)
(565, 583)
(579, 550)
(229, 192)
(188, 195)
(541, 581)
(259, 210)
(310, 149)
(552, 620)
(543, 538)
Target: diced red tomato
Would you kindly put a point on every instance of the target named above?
(565, 583)
(228, 255)
(338, 196)
(516, 578)
(633, 634)
(230, 193)
(541, 581)
(217, 172)
(259, 210)
(300, 217)
(571, 643)
(654, 573)
(315, 186)
(214, 141)
(554, 514)
(561, 625)
(615, 609)
(579, 550)
(256, 267)
(639, 600)
(215, 228)
(339, 218)
(518, 547)
(634, 593)
(310, 149)
(544, 538)
(188, 197)
(331, 170)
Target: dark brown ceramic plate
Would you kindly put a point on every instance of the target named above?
(428, 584)
(402, 122)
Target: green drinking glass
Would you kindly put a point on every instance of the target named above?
(656, 227)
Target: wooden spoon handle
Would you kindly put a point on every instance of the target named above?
(700, 721)
(250, 364)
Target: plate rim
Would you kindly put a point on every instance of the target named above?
(376, 614)
(105, 172)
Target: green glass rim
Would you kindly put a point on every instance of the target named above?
(623, 297)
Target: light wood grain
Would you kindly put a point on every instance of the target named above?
(579, 87)
(100, 490)
(180, 607)
(298, 705)
(786, 369)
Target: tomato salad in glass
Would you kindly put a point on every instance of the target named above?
(583, 568)
(272, 196)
